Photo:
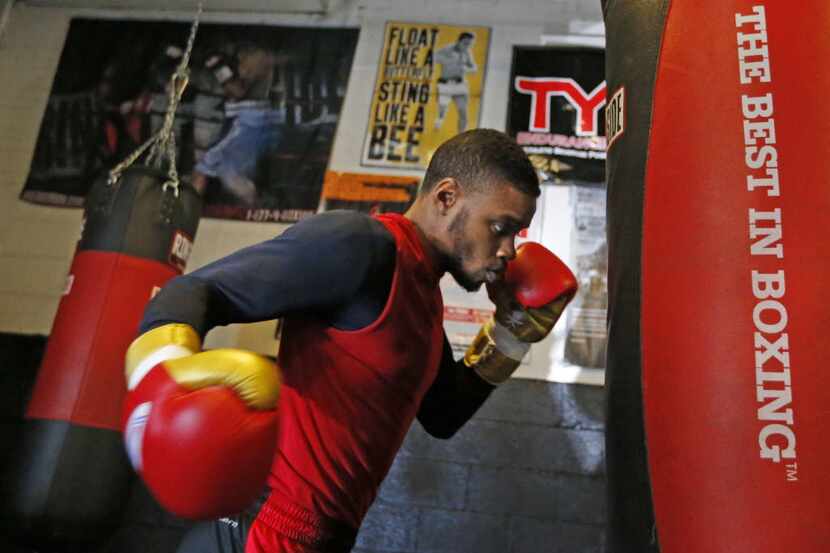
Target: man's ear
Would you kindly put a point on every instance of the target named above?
(446, 193)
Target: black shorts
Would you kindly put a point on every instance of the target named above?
(225, 535)
(297, 531)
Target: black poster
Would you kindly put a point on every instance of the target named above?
(254, 128)
(557, 111)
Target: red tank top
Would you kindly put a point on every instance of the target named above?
(349, 397)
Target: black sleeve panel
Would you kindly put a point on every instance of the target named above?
(333, 265)
(454, 397)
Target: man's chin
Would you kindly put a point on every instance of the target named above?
(466, 282)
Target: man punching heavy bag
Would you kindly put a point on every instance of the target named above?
(718, 276)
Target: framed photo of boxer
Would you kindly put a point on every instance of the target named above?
(557, 110)
(254, 128)
(428, 89)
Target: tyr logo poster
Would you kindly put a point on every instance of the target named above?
(557, 111)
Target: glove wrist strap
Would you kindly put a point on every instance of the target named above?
(170, 341)
(495, 353)
(506, 342)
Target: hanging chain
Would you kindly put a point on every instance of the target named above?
(163, 142)
(115, 172)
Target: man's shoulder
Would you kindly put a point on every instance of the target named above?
(351, 229)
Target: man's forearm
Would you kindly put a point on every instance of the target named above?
(455, 396)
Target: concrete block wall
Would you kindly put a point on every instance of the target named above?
(35, 244)
(526, 474)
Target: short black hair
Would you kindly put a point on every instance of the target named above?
(464, 35)
(479, 157)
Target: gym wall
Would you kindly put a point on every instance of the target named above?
(36, 242)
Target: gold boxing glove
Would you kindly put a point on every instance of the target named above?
(536, 288)
(252, 377)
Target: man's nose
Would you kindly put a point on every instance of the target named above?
(507, 248)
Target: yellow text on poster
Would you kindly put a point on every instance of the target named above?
(428, 89)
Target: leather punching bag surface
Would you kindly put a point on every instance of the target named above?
(719, 276)
(69, 478)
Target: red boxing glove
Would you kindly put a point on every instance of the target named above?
(199, 428)
(536, 277)
(529, 300)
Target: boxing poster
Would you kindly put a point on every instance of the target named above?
(557, 111)
(368, 193)
(254, 128)
(428, 89)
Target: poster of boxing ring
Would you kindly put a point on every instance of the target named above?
(254, 128)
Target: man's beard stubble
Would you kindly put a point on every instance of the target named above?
(461, 250)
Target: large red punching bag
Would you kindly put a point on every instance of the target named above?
(69, 477)
(719, 276)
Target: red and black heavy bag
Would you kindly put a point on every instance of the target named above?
(719, 261)
(70, 477)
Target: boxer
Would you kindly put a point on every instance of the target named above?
(363, 353)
